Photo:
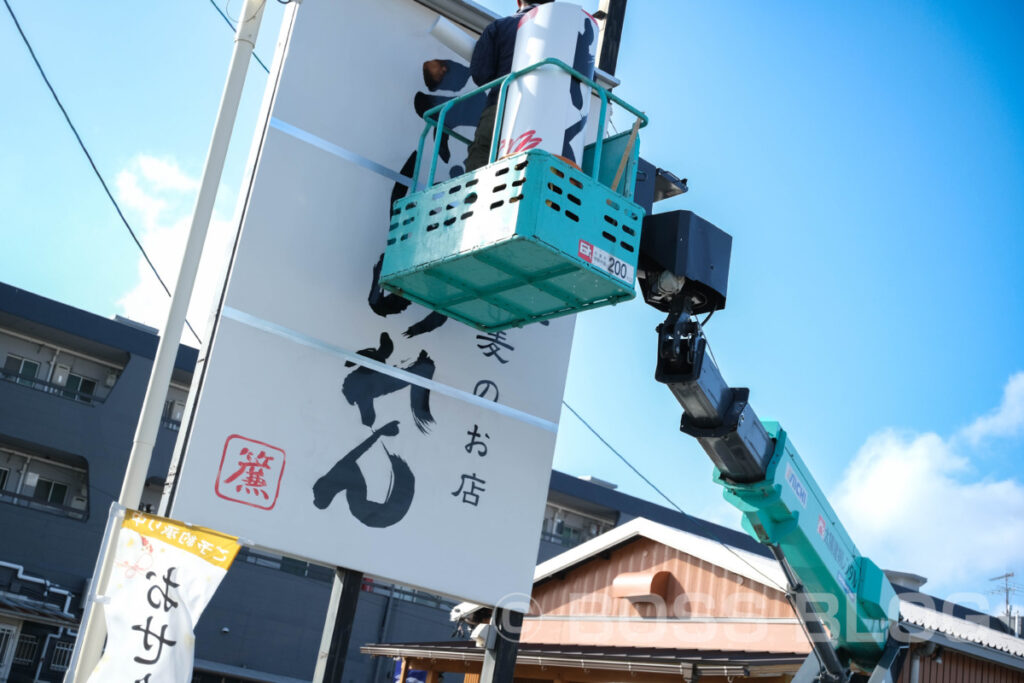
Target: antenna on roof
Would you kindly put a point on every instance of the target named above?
(1008, 589)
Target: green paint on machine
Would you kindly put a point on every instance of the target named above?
(525, 239)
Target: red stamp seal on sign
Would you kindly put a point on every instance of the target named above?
(250, 472)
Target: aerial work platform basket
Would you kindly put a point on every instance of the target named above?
(525, 238)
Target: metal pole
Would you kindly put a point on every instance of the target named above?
(383, 636)
(114, 518)
(341, 612)
(167, 351)
(91, 638)
(611, 35)
(500, 661)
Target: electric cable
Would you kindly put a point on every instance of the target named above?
(234, 28)
(88, 156)
(707, 525)
(622, 458)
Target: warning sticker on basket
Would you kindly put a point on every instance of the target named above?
(606, 262)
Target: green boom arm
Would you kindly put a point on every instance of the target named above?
(787, 510)
(844, 600)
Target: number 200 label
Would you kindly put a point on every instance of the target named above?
(606, 262)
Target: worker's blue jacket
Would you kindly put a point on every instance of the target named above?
(492, 56)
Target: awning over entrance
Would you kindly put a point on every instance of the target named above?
(568, 663)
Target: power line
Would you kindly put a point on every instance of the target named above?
(622, 458)
(707, 525)
(88, 156)
(233, 28)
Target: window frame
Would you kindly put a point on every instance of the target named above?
(49, 495)
(64, 651)
(24, 641)
(20, 377)
(78, 393)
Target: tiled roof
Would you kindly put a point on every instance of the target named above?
(24, 607)
(960, 629)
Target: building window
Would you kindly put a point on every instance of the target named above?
(4, 473)
(62, 656)
(51, 491)
(6, 634)
(569, 528)
(21, 370)
(25, 653)
(173, 412)
(79, 388)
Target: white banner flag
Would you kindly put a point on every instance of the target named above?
(164, 575)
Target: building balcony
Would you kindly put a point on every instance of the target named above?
(34, 503)
(50, 388)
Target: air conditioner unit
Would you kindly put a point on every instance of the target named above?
(177, 411)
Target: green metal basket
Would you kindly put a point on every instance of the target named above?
(523, 239)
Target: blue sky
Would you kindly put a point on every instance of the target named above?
(867, 158)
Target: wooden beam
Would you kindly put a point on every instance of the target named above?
(534, 672)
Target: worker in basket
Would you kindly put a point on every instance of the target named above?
(492, 58)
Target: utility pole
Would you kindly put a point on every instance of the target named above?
(1008, 589)
(611, 35)
(501, 645)
(89, 644)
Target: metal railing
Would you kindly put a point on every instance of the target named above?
(435, 117)
(50, 388)
(407, 594)
(21, 500)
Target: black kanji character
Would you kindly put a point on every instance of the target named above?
(154, 602)
(363, 386)
(484, 387)
(346, 476)
(474, 436)
(492, 345)
(470, 495)
(148, 632)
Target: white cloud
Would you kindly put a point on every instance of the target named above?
(166, 175)
(915, 502)
(1007, 420)
(158, 198)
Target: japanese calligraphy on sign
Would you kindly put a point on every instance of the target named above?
(164, 574)
(374, 420)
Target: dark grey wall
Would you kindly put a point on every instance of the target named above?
(60, 549)
(275, 621)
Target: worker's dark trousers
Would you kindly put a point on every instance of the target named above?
(480, 148)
